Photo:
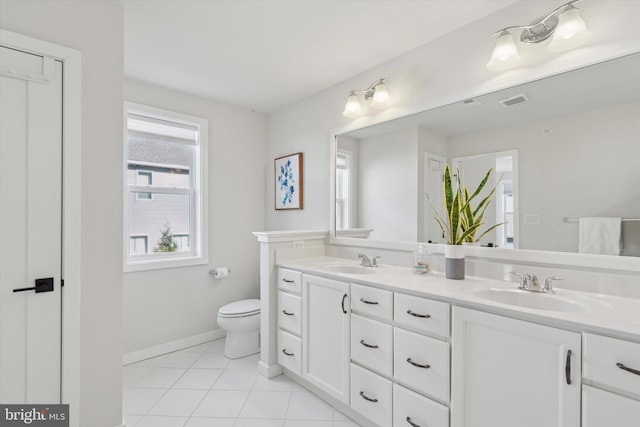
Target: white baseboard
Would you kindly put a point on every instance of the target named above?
(158, 350)
(269, 371)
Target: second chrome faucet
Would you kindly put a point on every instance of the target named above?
(368, 262)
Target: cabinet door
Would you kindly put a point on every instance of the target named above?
(603, 409)
(325, 335)
(507, 373)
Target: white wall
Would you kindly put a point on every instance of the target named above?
(449, 69)
(390, 210)
(95, 29)
(166, 305)
(554, 181)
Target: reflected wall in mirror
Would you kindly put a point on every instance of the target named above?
(568, 145)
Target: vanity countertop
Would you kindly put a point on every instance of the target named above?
(610, 315)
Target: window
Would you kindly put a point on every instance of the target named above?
(343, 203)
(144, 178)
(138, 245)
(165, 205)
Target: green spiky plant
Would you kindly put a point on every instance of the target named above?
(462, 220)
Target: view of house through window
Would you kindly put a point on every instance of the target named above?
(163, 200)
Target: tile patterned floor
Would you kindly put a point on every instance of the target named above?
(199, 387)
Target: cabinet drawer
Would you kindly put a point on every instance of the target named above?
(372, 344)
(372, 301)
(290, 313)
(422, 314)
(290, 280)
(290, 352)
(371, 395)
(604, 359)
(410, 407)
(603, 409)
(421, 363)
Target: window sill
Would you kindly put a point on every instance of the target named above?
(158, 264)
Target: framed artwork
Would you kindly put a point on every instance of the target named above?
(288, 183)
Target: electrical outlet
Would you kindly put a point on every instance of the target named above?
(298, 244)
(532, 219)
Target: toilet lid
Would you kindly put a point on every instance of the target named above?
(241, 308)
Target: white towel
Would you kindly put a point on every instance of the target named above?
(600, 235)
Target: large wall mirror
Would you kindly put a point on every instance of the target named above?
(565, 147)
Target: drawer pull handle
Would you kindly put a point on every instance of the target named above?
(365, 397)
(368, 302)
(286, 313)
(567, 368)
(344, 297)
(288, 281)
(628, 369)
(423, 316)
(417, 365)
(368, 345)
(286, 352)
(411, 423)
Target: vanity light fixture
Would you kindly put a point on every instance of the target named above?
(564, 25)
(376, 95)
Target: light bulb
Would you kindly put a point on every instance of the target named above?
(570, 32)
(505, 53)
(380, 95)
(352, 107)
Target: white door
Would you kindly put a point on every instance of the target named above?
(30, 227)
(325, 336)
(510, 373)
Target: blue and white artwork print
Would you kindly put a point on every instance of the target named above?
(289, 182)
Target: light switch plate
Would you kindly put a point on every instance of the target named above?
(532, 219)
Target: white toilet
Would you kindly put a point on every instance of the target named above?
(241, 320)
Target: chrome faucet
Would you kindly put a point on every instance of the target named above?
(366, 262)
(530, 282)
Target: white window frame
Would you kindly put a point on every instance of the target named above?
(150, 175)
(198, 255)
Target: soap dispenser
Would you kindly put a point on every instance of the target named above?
(421, 261)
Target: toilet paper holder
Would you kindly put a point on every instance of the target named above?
(219, 272)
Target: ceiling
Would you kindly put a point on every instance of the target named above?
(267, 54)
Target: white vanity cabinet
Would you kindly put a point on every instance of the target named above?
(613, 364)
(508, 372)
(325, 335)
(290, 320)
(400, 358)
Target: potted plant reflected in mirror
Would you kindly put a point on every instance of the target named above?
(462, 221)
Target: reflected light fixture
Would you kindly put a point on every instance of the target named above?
(564, 25)
(376, 95)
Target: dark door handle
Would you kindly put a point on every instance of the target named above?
(368, 302)
(365, 397)
(286, 313)
(417, 365)
(368, 345)
(423, 316)
(567, 368)
(286, 352)
(344, 297)
(628, 369)
(288, 281)
(42, 285)
(411, 423)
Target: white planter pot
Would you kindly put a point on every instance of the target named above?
(454, 262)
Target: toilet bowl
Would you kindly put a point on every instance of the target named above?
(241, 320)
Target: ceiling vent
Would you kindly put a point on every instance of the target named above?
(514, 100)
(471, 102)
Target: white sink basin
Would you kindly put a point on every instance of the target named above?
(350, 269)
(541, 301)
